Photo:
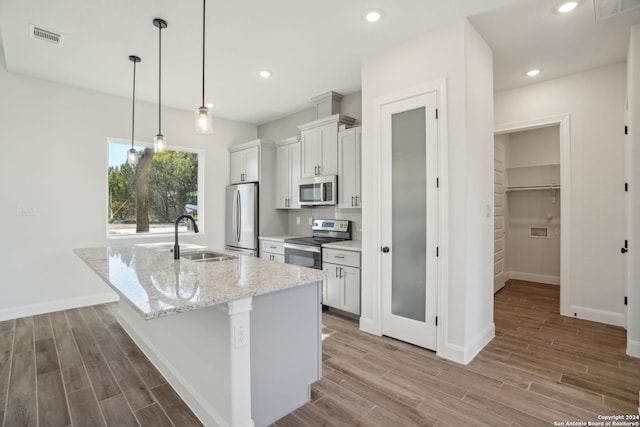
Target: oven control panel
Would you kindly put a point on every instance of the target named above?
(330, 225)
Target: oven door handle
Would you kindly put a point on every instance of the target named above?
(305, 248)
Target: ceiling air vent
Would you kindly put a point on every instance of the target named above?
(49, 36)
(608, 8)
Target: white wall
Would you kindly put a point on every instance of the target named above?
(534, 147)
(633, 260)
(54, 141)
(458, 54)
(595, 101)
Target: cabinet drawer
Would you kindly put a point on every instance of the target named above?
(273, 247)
(339, 256)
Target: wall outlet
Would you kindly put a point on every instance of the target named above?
(25, 211)
(297, 220)
(241, 336)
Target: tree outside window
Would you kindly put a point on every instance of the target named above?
(149, 196)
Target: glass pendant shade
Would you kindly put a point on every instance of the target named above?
(204, 121)
(132, 157)
(159, 143)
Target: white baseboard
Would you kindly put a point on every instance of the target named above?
(452, 352)
(532, 277)
(464, 355)
(602, 316)
(633, 350)
(57, 305)
(369, 326)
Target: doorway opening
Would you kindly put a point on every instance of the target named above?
(531, 205)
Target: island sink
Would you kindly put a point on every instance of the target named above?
(207, 256)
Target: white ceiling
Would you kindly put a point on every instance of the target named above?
(310, 46)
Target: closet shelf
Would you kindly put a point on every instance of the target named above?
(534, 187)
(542, 165)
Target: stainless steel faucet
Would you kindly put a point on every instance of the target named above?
(176, 247)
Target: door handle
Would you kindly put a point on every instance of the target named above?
(385, 249)
(238, 216)
(352, 197)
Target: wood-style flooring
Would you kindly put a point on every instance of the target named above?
(540, 368)
(79, 368)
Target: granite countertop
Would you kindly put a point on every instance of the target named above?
(156, 285)
(279, 238)
(349, 245)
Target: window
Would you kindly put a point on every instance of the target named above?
(148, 197)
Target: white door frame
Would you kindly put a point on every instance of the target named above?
(564, 122)
(440, 88)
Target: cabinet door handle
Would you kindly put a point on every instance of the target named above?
(352, 200)
(340, 272)
(337, 271)
(385, 249)
(339, 256)
(357, 204)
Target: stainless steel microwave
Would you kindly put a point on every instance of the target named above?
(318, 191)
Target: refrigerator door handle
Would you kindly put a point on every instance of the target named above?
(239, 217)
(234, 214)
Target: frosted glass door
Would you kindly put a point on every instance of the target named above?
(409, 217)
(409, 209)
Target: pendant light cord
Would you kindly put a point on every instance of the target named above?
(203, 38)
(160, 80)
(133, 110)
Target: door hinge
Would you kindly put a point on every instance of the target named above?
(436, 114)
(625, 300)
(626, 128)
(436, 320)
(437, 251)
(626, 186)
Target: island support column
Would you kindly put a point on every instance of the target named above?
(239, 312)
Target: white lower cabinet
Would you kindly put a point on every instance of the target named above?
(272, 250)
(342, 289)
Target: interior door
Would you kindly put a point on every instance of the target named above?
(409, 214)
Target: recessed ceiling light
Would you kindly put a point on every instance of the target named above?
(265, 74)
(533, 72)
(567, 6)
(373, 15)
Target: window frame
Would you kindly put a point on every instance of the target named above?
(201, 184)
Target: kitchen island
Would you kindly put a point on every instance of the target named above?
(239, 340)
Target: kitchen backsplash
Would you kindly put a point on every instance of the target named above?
(328, 212)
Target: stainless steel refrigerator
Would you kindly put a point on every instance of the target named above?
(242, 218)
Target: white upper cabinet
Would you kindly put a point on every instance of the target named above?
(287, 174)
(319, 146)
(349, 169)
(245, 165)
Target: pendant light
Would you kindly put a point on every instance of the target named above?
(132, 157)
(204, 121)
(159, 141)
